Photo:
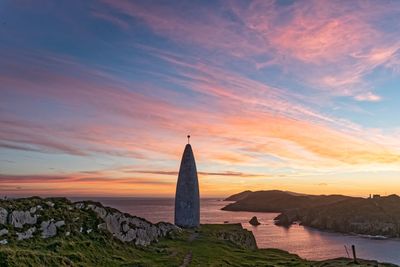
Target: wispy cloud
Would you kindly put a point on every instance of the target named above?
(368, 97)
(258, 84)
(339, 41)
(175, 173)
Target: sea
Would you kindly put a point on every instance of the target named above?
(306, 242)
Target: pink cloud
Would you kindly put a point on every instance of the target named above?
(331, 46)
(240, 105)
(368, 97)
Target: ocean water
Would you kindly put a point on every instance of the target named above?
(306, 242)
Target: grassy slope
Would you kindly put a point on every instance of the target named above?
(96, 249)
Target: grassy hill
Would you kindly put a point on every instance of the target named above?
(278, 201)
(80, 242)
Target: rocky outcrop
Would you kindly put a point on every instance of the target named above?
(239, 236)
(129, 228)
(287, 218)
(3, 232)
(58, 216)
(48, 228)
(3, 242)
(27, 234)
(254, 221)
(59, 224)
(3, 215)
(19, 218)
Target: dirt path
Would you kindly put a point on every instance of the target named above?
(187, 260)
(188, 257)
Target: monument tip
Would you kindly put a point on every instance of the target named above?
(188, 137)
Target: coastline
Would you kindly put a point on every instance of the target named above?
(369, 217)
(224, 242)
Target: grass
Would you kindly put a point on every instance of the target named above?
(100, 249)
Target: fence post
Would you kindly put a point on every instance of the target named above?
(354, 253)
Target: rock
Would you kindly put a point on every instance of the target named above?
(3, 215)
(254, 221)
(102, 226)
(3, 232)
(286, 218)
(113, 223)
(27, 234)
(19, 218)
(48, 228)
(3, 242)
(125, 227)
(59, 224)
(101, 212)
(67, 233)
(88, 231)
(130, 228)
(130, 235)
(33, 210)
(164, 228)
(80, 205)
(50, 204)
(240, 237)
(142, 239)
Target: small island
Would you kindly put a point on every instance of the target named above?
(376, 216)
(254, 221)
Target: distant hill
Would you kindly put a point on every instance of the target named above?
(238, 196)
(278, 201)
(379, 216)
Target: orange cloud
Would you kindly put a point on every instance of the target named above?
(79, 184)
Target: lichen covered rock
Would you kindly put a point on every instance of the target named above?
(3, 232)
(3, 215)
(48, 228)
(27, 234)
(19, 218)
(58, 216)
(129, 228)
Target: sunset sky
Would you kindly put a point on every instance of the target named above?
(97, 97)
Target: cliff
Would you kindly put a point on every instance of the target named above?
(375, 217)
(378, 216)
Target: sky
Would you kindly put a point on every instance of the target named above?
(97, 97)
